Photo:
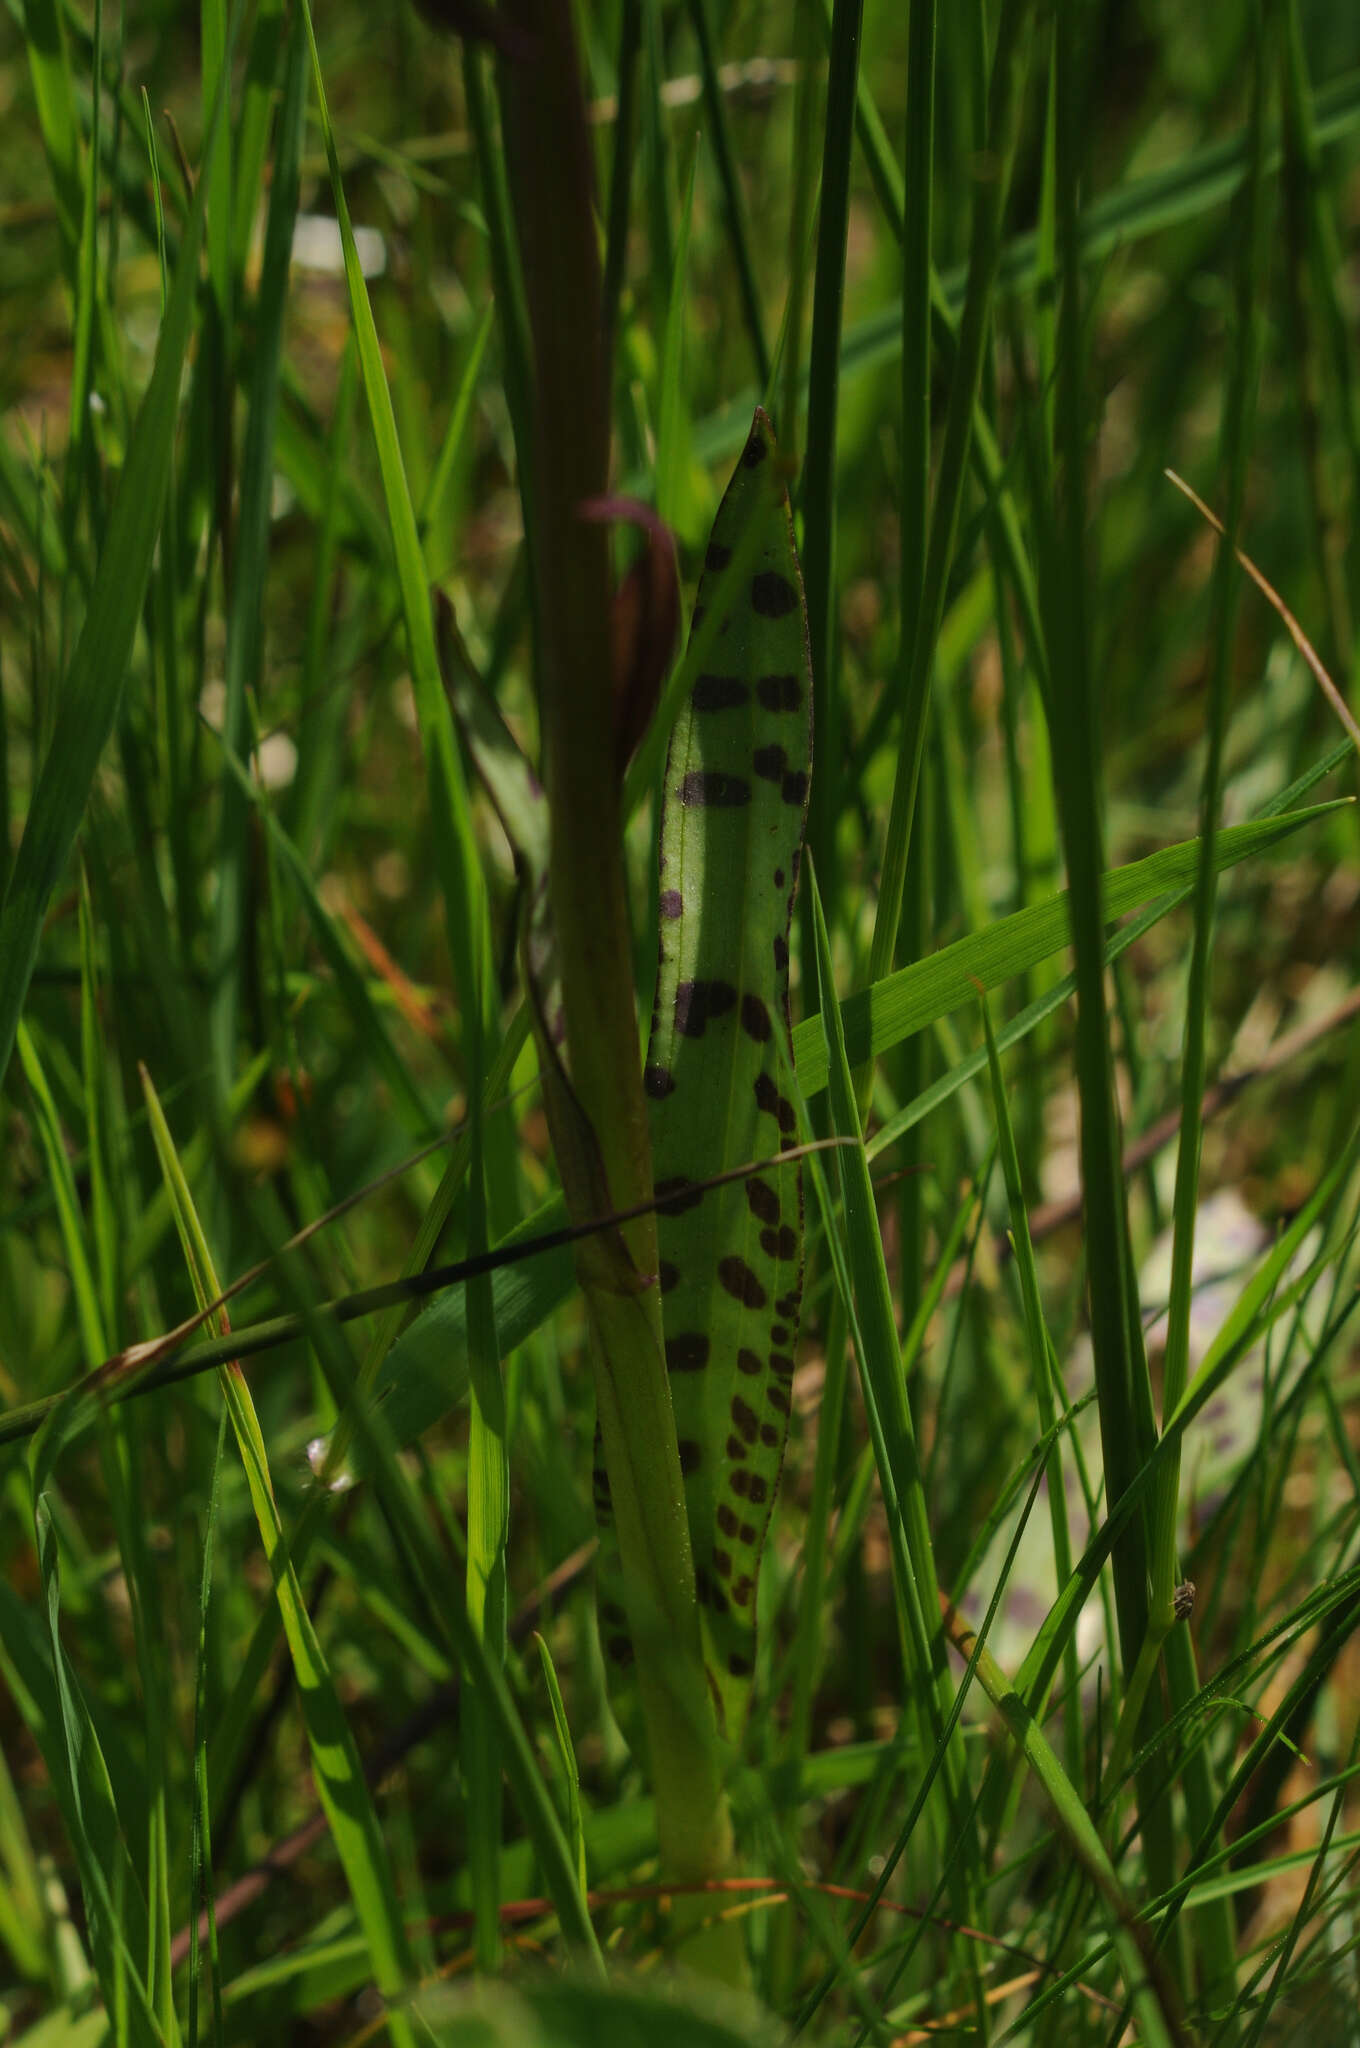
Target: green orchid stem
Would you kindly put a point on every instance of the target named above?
(599, 1122)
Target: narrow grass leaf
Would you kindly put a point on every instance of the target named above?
(566, 1754)
(881, 1374)
(908, 1000)
(335, 1759)
(455, 847)
(93, 685)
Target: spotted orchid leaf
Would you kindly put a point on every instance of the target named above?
(731, 1257)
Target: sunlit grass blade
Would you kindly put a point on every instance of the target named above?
(878, 1352)
(882, 1016)
(335, 1758)
(567, 1757)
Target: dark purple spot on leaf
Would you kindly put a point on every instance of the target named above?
(781, 1365)
(748, 1363)
(745, 1418)
(746, 1534)
(781, 953)
(739, 1666)
(687, 1353)
(772, 595)
(769, 1434)
(712, 787)
(779, 878)
(671, 903)
(755, 1018)
(769, 763)
(658, 1082)
(727, 1519)
(717, 556)
(762, 1200)
(691, 1454)
(698, 1002)
(779, 1399)
(740, 1282)
(719, 693)
(667, 1276)
(722, 1563)
(678, 1193)
(779, 693)
(795, 788)
(755, 451)
(736, 1450)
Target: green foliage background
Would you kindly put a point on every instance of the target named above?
(222, 498)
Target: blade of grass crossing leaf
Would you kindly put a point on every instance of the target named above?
(912, 997)
(93, 684)
(335, 1759)
(245, 621)
(455, 847)
(880, 1370)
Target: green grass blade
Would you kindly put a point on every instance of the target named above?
(922, 623)
(879, 1356)
(250, 553)
(93, 686)
(451, 825)
(335, 1758)
(818, 495)
(915, 996)
(734, 208)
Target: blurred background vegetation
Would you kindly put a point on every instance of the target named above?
(342, 1046)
